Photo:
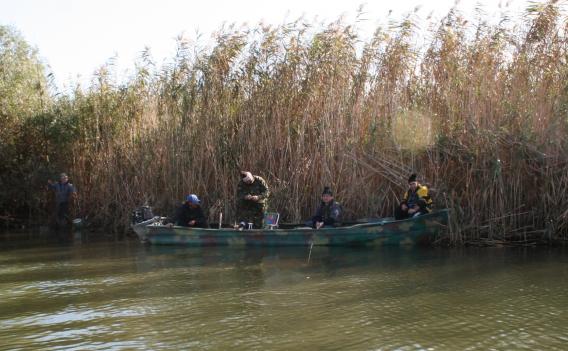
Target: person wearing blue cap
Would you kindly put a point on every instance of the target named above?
(190, 213)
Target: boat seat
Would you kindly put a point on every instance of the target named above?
(271, 220)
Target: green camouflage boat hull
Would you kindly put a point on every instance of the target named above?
(420, 230)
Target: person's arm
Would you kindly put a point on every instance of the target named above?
(319, 212)
(178, 217)
(264, 192)
(404, 204)
(405, 198)
(201, 220)
(317, 219)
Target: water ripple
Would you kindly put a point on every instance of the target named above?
(215, 299)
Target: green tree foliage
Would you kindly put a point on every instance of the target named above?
(23, 101)
(23, 83)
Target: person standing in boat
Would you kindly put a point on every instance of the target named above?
(416, 200)
(65, 193)
(190, 213)
(329, 211)
(252, 200)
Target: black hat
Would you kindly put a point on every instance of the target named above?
(412, 178)
(327, 191)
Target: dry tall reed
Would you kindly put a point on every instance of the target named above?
(479, 112)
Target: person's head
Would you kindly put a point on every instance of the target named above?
(412, 182)
(326, 195)
(247, 177)
(192, 200)
(63, 178)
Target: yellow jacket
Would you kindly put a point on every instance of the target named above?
(423, 199)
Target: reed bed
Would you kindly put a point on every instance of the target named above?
(479, 110)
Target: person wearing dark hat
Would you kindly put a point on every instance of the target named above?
(328, 212)
(252, 200)
(190, 213)
(64, 194)
(416, 200)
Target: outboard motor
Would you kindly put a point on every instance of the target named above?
(141, 214)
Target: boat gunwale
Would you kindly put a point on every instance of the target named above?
(339, 230)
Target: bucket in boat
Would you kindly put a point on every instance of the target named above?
(78, 223)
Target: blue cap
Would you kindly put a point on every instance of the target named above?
(192, 198)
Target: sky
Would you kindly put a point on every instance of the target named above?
(75, 37)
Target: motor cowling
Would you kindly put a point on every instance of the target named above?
(141, 214)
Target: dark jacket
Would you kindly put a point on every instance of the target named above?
(185, 214)
(329, 214)
(63, 191)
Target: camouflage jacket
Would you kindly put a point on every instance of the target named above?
(257, 188)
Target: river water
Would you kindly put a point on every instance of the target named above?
(85, 295)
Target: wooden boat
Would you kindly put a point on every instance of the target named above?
(387, 231)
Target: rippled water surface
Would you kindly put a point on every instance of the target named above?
(86, 295)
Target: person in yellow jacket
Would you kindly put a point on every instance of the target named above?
(416, 200)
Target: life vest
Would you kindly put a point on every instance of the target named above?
(420, 197)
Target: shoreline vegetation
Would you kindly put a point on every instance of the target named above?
(479, 110)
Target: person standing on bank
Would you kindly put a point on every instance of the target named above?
(64, 193)
(416, 200)
(329, 211)
(252, 200)
(190, 213)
